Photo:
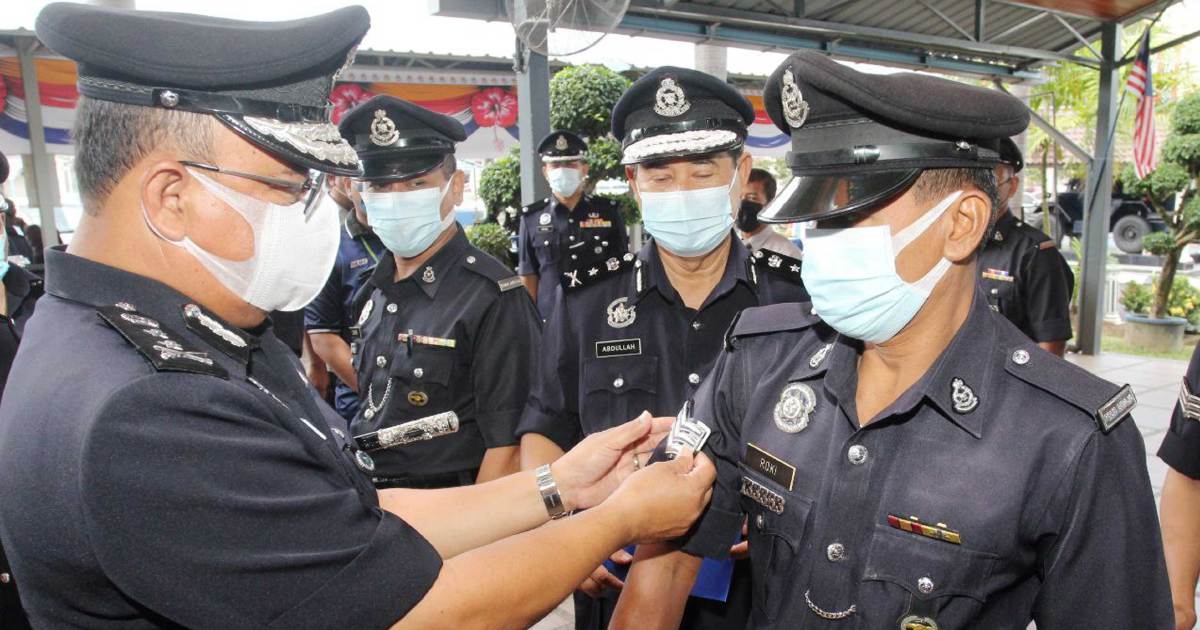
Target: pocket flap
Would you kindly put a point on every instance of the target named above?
(621, 374)
(925, 567)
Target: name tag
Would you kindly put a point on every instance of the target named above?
(618, 348)
(774, 468)
(355, 264)
(545, 228)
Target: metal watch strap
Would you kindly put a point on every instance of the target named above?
(549, 491)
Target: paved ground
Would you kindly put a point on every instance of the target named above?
(1156, 383)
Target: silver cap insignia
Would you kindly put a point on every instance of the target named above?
(383, 130)
(795, 108)
(669, 100)
(561, 143)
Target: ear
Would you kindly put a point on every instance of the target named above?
(163, 195)
(458, 182)
(631, 177)
(970, 217)
(744, 164)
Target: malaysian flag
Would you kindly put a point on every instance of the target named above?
(1142, 87)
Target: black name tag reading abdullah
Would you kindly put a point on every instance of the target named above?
(618, 348)
(767, 464)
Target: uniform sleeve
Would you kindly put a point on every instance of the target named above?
(503, 364)
(527, 263)
(1181, 445)
(206, 511)
(620, 232)
(1047, 287)
(1105, 533)
(552, 408)
(717, 405)
(324, 313)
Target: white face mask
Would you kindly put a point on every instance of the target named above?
(564, 181)
(688, 222)
(293, 251)
(408, 222)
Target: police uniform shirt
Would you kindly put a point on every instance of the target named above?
(459, 334)
(986, 495)
(1025, 277)
(554, 239)
(1180, 447)
(22, 290)
(164, 468)
(622, 341)
(334, 309)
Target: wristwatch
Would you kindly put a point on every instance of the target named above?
(549, 491)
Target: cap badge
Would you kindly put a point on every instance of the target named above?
(795, 405)
(965, 400)
(561, 143)
(383, 130)
(669, 100)
(619, 315)
(795, 108)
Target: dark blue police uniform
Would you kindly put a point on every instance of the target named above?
(1180, 448)
(334, 309)
(1027, 280)
(555, 238)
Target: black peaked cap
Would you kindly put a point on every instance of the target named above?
(396, 139)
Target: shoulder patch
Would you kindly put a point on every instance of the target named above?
(778, 264)
(535, 206)
(485, 265)
(1107, 403)
(760, 320)
(590, 274)
(159, 344)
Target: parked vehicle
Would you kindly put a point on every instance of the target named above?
(1132, 218)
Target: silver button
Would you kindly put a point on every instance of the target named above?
(545, 242)
(925, 585)
(857, 454)
(418, 372)
(995, 291)
(571, 237)
(694, 378)
(835, 552)
(618, 382)
(168, 99)
(1020, 357)
(759, 522)
(597, 237)
(364, 461)
(392, 308)
(574, 257)
(381, 361)
(5, 578)
(470, 260)
(696, 325)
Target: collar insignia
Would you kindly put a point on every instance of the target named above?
(965, 400)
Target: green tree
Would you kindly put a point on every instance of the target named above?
(581, 100)
(500, 184)
(1178, 172)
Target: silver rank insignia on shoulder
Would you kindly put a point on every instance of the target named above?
(573, 276)
(795, 405)
(795, 108)
(612, 264)
(428, 276)
(669, 100)
(819, 356)
(383, 130)
(965, 400)
(544, 219)
(620, 315)
(561, 143)
(366, 312)
(1189, 403)
(774, 261)
(191, 311)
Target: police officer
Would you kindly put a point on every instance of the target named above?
(447, 327)
(1180, 450)
(164, 463)
(909, 459)
(639, 331)
(330, 317)
(1022, 273)
(568, 229)
(756, 235)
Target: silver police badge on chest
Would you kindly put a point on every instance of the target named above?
(620, 315)
(795, 405)
(544, 219)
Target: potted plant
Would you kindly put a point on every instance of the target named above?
(1179, 172)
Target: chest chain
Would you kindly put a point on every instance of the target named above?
(373, 407)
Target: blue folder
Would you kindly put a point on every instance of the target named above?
(711, 583)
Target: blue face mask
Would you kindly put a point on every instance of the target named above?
(407, 222)
(851, 276)
(688, 222)
(4, 264)
(564, 181)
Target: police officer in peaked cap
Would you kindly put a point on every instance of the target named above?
(906, 457)
(164, 462)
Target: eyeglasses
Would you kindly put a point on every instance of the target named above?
(308, 191)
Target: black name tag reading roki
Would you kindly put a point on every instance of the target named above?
(618, 348)
(767, 464)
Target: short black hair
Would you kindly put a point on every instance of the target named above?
(767, 180)
(111, 137)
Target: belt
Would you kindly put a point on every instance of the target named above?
(443, 480)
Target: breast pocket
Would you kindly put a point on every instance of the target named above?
(1001, 294)
(423, 383)
(911, 574)
(776, 534)
(616, 389)
(545, 247)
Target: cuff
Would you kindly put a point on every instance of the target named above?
(711, 535)
(554, 428)
(1180, 453)
(499, 428)
(1050, 330)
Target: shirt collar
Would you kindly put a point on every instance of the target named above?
(649, 272)
(1004, 227)
(430, 275)
(353, 228)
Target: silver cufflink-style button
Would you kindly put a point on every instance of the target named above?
(835, 552)
(1020, 357)
(694, 378)
(392, 308)
(618, 382)
(381, 361)
(418, 372)
(857, 454)
(925, 585)
(5, 578)
(470, 260)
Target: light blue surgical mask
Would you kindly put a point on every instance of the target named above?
(688, 222)
(564, 181)
(851, 276)
(407, 222)
(4, 264)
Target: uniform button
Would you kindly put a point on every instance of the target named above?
(597, 237)
(571, 237)
(381, 361)
(470, 260)
(5, 578)
(618, 382)
(570, 220)
(857, 454)
(418, 372)
(1020, 357)
(995, 291)
(696, 325)
(925, 585)
(574, 257)
(694, 378)
(759, 522)
(835, 552)
(545, 242)
(392, 308)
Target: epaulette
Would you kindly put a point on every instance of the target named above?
(773, 262)
(159, 344)
(1107, 403)
(478, 262)
(590, 274)
(535, 206)
(760, 320)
